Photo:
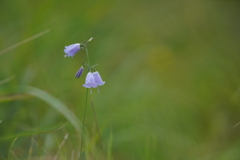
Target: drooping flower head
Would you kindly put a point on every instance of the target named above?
(71, 50)
(97, 78)
(79, 72)
(90, 82)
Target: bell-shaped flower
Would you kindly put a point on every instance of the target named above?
(72, 49)
(79, 72)
(90, 82)
(97, 78)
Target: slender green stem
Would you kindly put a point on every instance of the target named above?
(87, 55)
(95, 115)
(85, 108)
(10, 149)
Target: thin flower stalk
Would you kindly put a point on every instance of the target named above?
(93, 79)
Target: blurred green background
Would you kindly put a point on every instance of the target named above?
(172, 72)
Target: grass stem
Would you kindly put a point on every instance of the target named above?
(84, 114)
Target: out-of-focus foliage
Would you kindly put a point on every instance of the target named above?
(172, 72)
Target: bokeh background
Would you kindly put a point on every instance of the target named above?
(172, 72)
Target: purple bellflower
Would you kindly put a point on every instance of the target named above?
(93, 80)
(98, 79)
(90, 82)
(79, 72)
(71, 50)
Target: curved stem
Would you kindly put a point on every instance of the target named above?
(87, 55)
(85, 108)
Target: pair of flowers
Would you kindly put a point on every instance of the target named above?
(93, 79)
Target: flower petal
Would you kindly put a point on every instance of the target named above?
(89, 82)
(97, 79)
(71, 50)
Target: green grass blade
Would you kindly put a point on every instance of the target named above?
(56, 104)
(82, 156)
(11, 147)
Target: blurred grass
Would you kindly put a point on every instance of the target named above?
(171, 70)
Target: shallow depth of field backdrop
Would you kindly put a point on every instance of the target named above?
(172, 72)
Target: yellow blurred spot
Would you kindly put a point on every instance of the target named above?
(97, 13)
(161, 58)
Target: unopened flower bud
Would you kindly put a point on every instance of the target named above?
(79, 72)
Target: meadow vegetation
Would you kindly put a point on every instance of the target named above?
(172, 73)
